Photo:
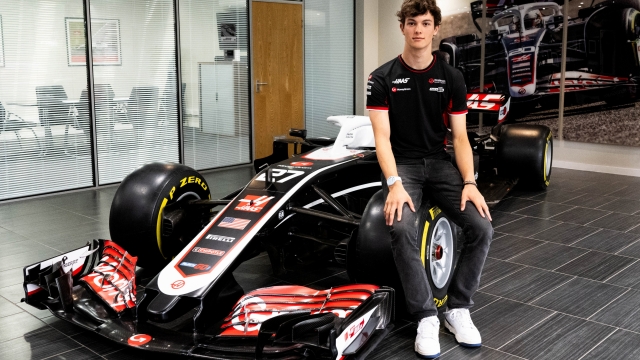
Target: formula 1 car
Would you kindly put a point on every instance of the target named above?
(524, 50)
(324, 204)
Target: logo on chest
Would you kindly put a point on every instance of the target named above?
(400, 81)
(437, 89)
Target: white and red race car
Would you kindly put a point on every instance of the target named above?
(165, 282)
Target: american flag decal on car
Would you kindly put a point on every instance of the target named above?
(234, 223)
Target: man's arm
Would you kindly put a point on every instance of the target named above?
(464, 159)
(397, 194)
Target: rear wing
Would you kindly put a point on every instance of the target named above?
(497, 104)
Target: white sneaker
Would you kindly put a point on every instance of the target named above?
(427, 344)
(458, 321)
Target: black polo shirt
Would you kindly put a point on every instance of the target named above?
(419, 104)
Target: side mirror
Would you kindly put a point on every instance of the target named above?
(301, 133)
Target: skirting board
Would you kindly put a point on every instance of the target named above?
(611, 159)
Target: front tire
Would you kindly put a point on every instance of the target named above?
(135, 220)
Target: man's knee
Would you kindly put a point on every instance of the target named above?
(481, 231)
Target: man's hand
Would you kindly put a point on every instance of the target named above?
(471, 193)
(395, 201)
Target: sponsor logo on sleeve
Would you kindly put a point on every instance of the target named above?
(370, 76)
(368, 93)
(252, 203)
(234, 223)
(220, 238)
(202, 250)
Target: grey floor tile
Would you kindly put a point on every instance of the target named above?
(621, 345)
(483, 353)
(580, 297)
(608, 241)
(624, 312)
(626, 206)
(509, 246)
(565, 233)
(38, 345)
(84, 354)
(580, 215)
(504, 320)
(63, 326)
(569, 184)
(629, 192)
(19, 325)
(599, 188)
(635, 230)
(544, 210)
(40, 314)
(7, 308)
(501, 218)
(616, 221)
(549, 256)
(8, 236)
(596, 265)
(481, 299)
(496, 269)
(514, 204)
(590, 201)
(527, 226)
(627, 277)
(399, 345)
(96, 343)
(11, 277)
(558, 337)
(15, 248)
(556, 196)
(13, 293)
(526, 285)
(27, 258)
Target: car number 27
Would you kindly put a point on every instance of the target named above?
(277, 173)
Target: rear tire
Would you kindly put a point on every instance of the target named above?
(526, 152)
(371, 258)
(136, 212)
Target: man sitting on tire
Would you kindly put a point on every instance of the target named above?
(413, 99)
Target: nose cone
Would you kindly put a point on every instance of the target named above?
(522, 91)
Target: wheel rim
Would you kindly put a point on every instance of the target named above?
(441, 253)
(547, 160)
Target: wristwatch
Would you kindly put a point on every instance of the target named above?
(392, 180)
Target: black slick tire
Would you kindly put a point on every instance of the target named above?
(136, 212)
(526, 152)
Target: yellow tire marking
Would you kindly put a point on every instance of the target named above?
(159, 226)
(423, 249)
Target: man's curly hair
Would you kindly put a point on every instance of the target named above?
(412, 8)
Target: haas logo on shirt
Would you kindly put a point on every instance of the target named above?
(400, 81)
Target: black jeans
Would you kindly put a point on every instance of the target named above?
(441, 182)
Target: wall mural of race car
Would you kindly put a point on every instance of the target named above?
(524, 58)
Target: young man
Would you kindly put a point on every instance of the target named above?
(413, 100)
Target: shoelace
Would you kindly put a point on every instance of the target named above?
(427, 329)
(463, 317)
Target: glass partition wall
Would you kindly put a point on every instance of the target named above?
(45, 139)
(134, 72)
(215, 82)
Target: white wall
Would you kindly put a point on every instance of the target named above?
(612, 159)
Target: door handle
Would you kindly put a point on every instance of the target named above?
(258, 84)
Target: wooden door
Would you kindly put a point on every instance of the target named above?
(277, 62)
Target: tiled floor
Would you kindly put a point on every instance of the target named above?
(562, 280)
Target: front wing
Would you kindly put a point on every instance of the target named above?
(290, 322)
